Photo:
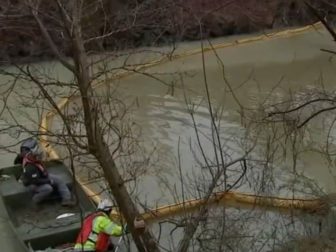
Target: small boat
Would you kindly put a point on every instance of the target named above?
(51, 225)
(24, 228)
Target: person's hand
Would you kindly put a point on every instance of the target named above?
(139, 223)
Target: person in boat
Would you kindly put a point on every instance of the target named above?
(97, 229)
(36, 177)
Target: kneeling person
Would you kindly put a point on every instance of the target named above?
(36, 177)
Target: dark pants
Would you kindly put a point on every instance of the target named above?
(41, 192)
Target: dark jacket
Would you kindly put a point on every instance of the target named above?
(32, 175)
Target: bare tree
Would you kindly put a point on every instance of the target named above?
(67, 18)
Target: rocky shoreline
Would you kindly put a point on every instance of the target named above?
(147, 23)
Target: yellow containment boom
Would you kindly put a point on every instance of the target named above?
(229, 199)
(234, 199)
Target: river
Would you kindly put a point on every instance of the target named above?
(284, 65)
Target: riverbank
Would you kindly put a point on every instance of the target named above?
(114, 25)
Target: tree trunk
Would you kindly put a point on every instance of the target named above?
(144, 241)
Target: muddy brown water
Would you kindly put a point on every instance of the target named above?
(253, 70)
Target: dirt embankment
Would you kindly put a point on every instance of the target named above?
(131, 24)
